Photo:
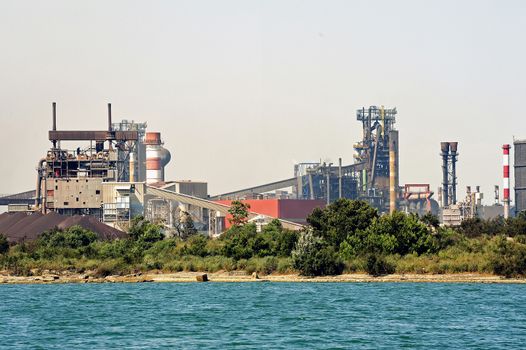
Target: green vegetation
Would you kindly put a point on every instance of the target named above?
(347, 236)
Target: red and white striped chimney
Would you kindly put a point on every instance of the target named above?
(156, 157)
(506, 178)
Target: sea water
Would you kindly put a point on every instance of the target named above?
(263, 316)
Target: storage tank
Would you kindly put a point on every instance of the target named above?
(156, 157)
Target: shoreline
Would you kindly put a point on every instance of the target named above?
(235, 276)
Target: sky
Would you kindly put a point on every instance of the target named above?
(242, 90)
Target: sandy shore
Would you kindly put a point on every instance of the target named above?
(242, 277)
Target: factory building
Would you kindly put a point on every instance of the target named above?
(294, 210)
(373, 176)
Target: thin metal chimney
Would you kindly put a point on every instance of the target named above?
(54, 122)
(445, 181)
(109, 117)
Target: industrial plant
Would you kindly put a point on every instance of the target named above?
(116, 173)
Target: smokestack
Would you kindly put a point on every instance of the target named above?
(453, 146)
(109, 116)
(506, 178)
(156, 157)
(54, 116)
(54, 122)
(393, 169)
(445, 182)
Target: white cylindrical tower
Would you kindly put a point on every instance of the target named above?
(156, 157)
(506, 178)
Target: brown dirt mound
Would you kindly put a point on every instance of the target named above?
(40, 225)
(18, 229)
(9, 219)
(103, 231)
(23, 227)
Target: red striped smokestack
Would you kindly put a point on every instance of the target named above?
(506, 179)
(156, 157)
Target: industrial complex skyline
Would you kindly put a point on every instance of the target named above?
(241, 90)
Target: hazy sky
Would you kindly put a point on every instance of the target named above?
(241, 90)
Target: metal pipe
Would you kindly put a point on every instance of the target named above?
(393, 148)
(373, 168)
(329, 184)
(339, 178)
(453, 147)
(311, 187)
(38, 189)
(132, 167)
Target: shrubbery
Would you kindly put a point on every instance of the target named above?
(346, 235)
(508, 258)
(377, 265)
(314, 257)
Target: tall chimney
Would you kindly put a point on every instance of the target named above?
(445, 182)
(54, 122)
(506, 177)
(109, 116)
(393, 169)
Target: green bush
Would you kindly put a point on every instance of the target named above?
(112, 267)
(377, 265)
(396, 233)
(285, 265)
(73, 237)
(196, 245)
(508, 258)
(340, 219)
(238, 241)
(313, 257)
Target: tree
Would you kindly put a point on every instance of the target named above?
(314, 257)
(340, 219)
(4, 244)
(430, 220)
(72, 237)
(239, 241)
(187, 226)
(239, 212)
(144, 231)
(396, 233)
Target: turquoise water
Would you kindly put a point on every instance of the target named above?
(262, 315)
